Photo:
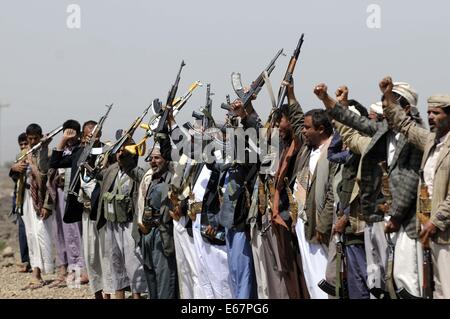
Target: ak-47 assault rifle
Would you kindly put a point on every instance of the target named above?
(84, 159)
(287, 78)
(102, 159)
(255, 87)
(205, 113)
(159, 119)
(340, 290)
(38, 146)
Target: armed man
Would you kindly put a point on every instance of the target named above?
(19, 191)
(78, 208)
(436, 148)
(236, 184)
(273, 237)
(36, 206)
(117, 215)
(347, 266)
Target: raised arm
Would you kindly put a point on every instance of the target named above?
(403, 123)
(340, 113)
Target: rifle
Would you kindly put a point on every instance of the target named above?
(157, 119)
(83, 161)
(289, 72)
(282, 93)
(38, 146)
(205, 114)
(340, 290)
(129, 133)
(424, 217)
(170, 99)
(208, 120)
(255, 87)
(231, 120)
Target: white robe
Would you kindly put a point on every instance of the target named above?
(39, 236)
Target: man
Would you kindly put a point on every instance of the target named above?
(19, 190)
(436, 171)
(79, 210)
(347, 223)
(155, 221)
(67, 237)
(36, 207)
(117, 209)
(236, 184)
(389, 176)
(274, 245)
(314, 193)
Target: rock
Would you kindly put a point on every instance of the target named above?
(7, 252)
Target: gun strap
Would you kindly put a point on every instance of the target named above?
(269, 89)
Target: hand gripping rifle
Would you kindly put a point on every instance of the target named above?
(83, 160)
(38, 146)
(255, 87)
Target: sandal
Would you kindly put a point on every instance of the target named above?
(33, 284)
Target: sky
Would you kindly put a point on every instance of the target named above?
(128, 53)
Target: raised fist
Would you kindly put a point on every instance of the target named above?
(342, 95)
(386, 85)
(321, 91)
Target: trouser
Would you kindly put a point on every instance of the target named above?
(160, 270)
(125, 257)
(24, 256)
(269, 276)
(67, 237)
(356, 269)
(357, 272)
(214, 273)
(39, 236)
(240, 261)
(314, 261)
(98, 266)
(408, 259)
(440, 255)
(376, 255)
(187, 262)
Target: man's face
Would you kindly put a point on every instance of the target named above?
(285, 128)
(439, 121)
(33, 139)
(23, 145)
(312, 135)
(157, 163)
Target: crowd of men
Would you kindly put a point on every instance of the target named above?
(357, 207)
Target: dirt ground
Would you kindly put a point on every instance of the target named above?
(11, 280)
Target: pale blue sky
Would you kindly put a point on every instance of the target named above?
(128, 53)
